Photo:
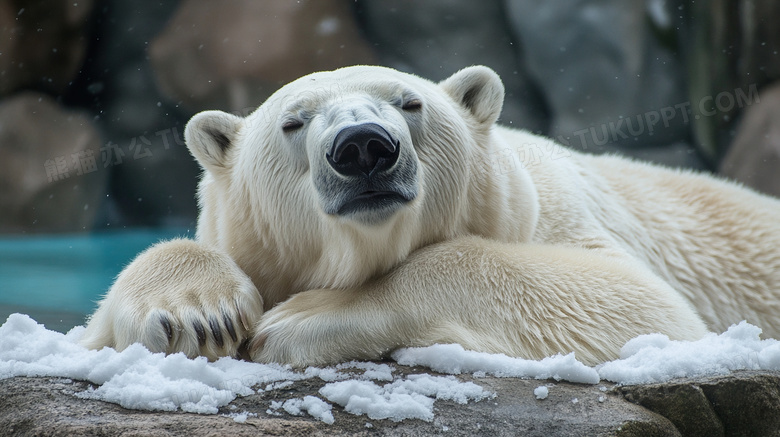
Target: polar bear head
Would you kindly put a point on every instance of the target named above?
(339, 175)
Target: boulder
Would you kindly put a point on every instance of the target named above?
(153, 177)
(48, 407)
(42, 43)
(745, 403)
(753, 158)
(51, 173)
(608, 80)
(731, 50)
(435, 38)
(231, 56)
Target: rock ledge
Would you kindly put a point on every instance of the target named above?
(743, 403)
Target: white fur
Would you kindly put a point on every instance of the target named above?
(559, 252)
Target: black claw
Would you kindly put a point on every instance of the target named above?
(200, 332)
(243, 351)
(216, 330)
(167, 327)
(229, 326)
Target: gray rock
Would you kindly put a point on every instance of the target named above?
(754, 156)
(731, 50)
(47, 407)
(435, 38)
(51, 177)
(231, 56)
(42, 44)
(599, 77)
(685, 405)
(609, 82)
(744, 403)
(137, 122)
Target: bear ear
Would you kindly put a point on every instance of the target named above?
(210, 135)
(478, 89)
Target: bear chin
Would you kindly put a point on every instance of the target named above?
(373, 207)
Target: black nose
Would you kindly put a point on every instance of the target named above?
(363, 149)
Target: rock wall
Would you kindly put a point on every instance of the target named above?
(666, 81)
(232, 56)
(42, 43)
(51, 155)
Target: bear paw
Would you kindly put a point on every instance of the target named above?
(178, 296)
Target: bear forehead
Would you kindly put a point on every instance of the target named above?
(355, 75)
(378, 82)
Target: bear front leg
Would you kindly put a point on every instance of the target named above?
(321, 327)
(178, 296)
(527, 301)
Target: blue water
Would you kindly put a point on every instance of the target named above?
(58, 279)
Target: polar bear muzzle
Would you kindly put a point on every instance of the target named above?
(368, 177)
(363, 150)
(362, 153)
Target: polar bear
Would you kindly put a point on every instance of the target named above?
(362, 210)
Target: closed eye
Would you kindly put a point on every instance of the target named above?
(291, 125)
(412, 105)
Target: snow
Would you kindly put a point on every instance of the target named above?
(315, 406)
(541, 392)
(136, 378)
(452, 358)
(408, 398)
(645, 359)
(240, 417)
(654, 358)
(365, 397)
